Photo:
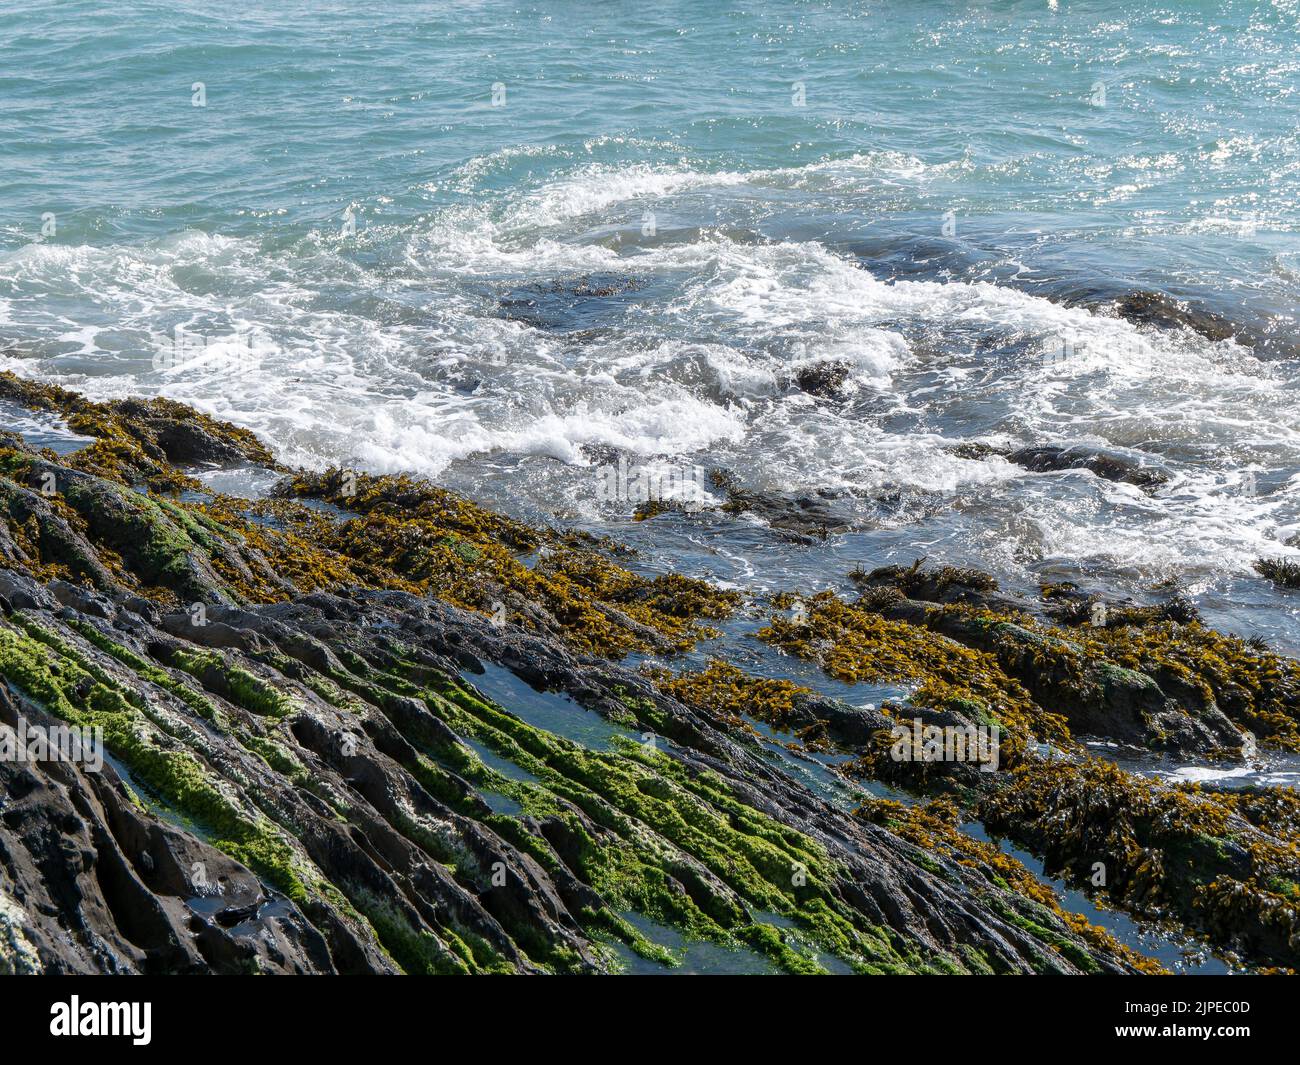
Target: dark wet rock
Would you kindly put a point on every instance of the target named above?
(90, 883)
(1147, 676)
(1054, 458)
(1220, 865)
(1110, 467)
(823, 378)
(652, 508)
(181, 439)
(846, 725)
(140, 436)
(604, 454)
(1267, 337)
(935, 584)
(1165, 312)
(1154, 707)
(575, 306)
(49, 533)
(20, 592)
(978, 451)
(372, 814)
(310, 737)
(1067, 604)
(806, 516)
(81, 600)
(320, 751)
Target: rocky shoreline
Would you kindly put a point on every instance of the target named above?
(365, 725)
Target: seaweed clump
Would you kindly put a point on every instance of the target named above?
(855, 644)
(111, 516)
(1153, 677)
(934, 584)
(1254, 687)
(934, 827)
(731, 695)
(1280, 571)
(140, 441)
(1227, 865)
(438, 543)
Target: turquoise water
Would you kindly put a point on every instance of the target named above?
(498, 243)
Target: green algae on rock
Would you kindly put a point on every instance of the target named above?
(289, 778)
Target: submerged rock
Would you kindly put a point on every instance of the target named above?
(577, 306)
(1054, 458)
(1267, 338)
(805, 516)
(1109, 467)
(1165, 312)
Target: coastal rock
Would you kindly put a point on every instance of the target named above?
(825, 378)
(1267, 338)
(1155, 705)
(936, 584)
(1218, 864)
(397, 731)
(367, 807)
(375, 791)
(1165, 312)
(1054, 458)
(1109, 467)
(146, 435)
(806, 516)
(577, 306)
(94, 884)
(1067, 604)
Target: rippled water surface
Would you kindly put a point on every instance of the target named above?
(502, 244)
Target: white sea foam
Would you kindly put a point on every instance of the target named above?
(423, 371)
